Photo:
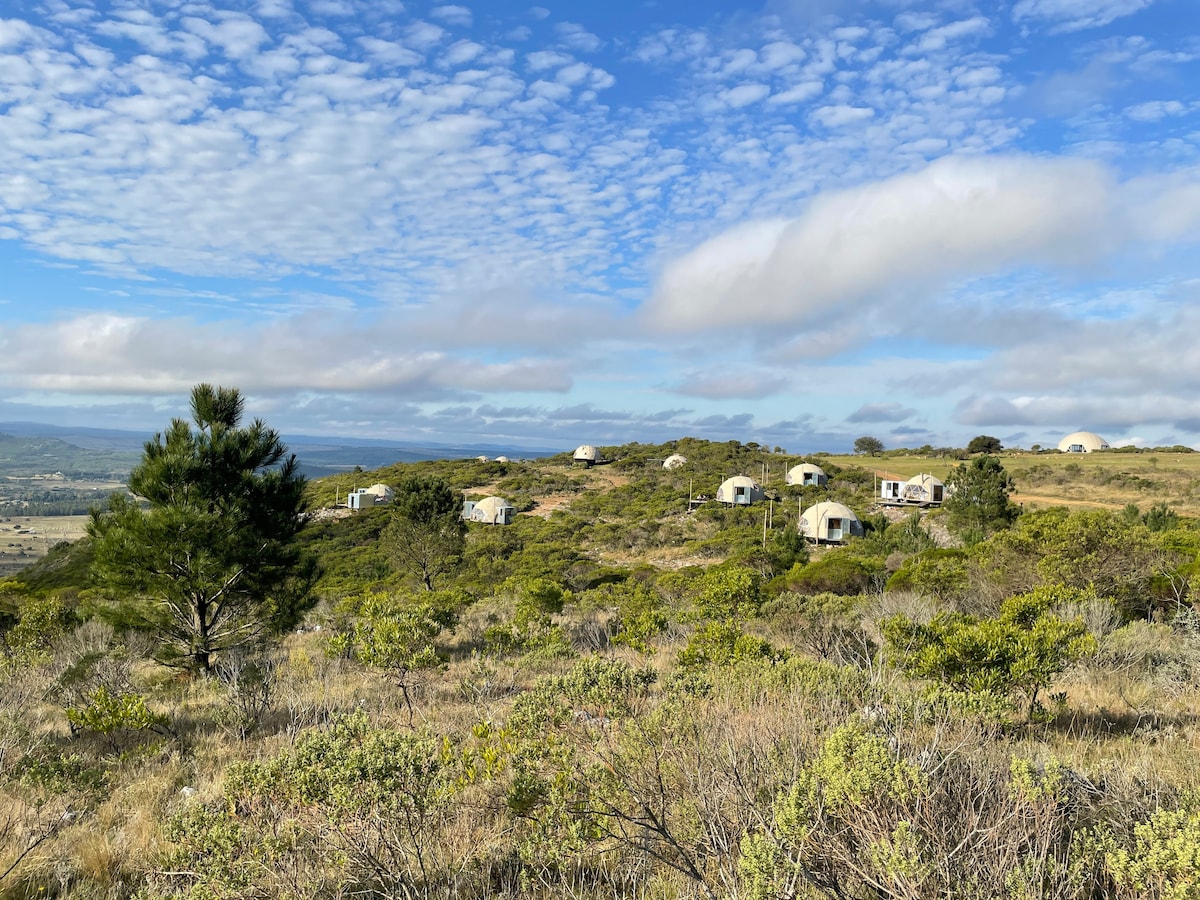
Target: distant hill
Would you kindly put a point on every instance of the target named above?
(23, 456)
(30, 448)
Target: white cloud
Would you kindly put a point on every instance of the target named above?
(881, 412)
(939, 38)
(799, 93)
(841, 114)
(959, 216)
(1154, 110)
(1075, 15)
(105, 353)
(15, 32)
(541, 60)
(390, 52)
(452, 15)
(339, 8)
(779, 54)
(573, 74)
(745, 94)
(577, 37)
(462, 52)
(424, 35)
(238, 35)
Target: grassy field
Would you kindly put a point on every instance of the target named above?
(1076, 480)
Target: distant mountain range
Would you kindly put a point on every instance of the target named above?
(51, 448)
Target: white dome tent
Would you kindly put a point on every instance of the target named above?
(586, 454)
(675, 461)
(489, 511)
(806, 474)
(740, 490)
(1082, 442)
(830, 523)
(382, 493)
(922, 490)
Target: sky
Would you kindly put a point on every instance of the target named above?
(793, 222)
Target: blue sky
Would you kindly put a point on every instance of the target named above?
(791, 222)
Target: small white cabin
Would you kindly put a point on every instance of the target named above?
(489, 511)
(806, 474)
(362, 498)
(586, 454)
(740, 490)
(830, 523)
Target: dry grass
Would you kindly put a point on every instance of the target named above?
(1075, 480)
(26, 539)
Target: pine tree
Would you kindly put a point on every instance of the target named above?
(427, 534)
(978, 493)
(208, 563)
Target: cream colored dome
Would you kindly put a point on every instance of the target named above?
(1082, 442)
(795, 475)
(829, 521)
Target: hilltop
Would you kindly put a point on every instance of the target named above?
(627, 691)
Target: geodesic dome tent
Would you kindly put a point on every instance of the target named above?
(489, 511)
(1082, 442)
(740, 490)
(586, 454)
(830, 522)
(924, 489)
(806, 474)
(381, 492)
(674, 461)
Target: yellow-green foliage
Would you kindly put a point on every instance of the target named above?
(105, 713)
(1021, 650)
(1163, 862)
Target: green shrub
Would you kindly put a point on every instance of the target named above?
(108, 714)
(1163, 862)
(723, 644)
(1019, 651)
(837, 572)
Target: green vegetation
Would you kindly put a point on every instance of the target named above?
(211, 565)
(871, 446)
(427, 534)
(622, 694)
(29, 457)
(984, 443)
(978, 500)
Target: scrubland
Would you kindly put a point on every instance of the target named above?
(622, 697)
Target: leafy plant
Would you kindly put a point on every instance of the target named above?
(1019, 651)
